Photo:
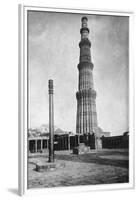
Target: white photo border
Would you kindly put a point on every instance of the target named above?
(22, 91)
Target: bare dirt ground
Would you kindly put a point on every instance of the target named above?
(102, 167)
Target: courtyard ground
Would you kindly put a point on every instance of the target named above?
(102, 167)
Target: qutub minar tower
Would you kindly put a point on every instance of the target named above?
(86, 122)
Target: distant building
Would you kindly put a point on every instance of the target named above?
(102, 133)
(116, 142)
(38, 138)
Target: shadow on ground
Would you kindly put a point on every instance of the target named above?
(13, 190)
(96, 159)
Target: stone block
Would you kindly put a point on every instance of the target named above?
(42, 167)
(81, 149)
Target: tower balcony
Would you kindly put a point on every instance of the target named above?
(90, 93)
(85, 64)
(84, 29)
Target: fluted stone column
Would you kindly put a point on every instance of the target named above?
(41, 144)
(36, 146)
(51, 122)
(86, 95)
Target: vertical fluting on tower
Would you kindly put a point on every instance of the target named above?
(86, 95)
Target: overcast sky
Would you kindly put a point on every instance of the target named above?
(53, 53)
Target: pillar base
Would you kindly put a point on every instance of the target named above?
(47, 166)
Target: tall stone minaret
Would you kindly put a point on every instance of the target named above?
(86, 95)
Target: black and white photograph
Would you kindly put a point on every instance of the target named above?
(69, 99)
(77, 99)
